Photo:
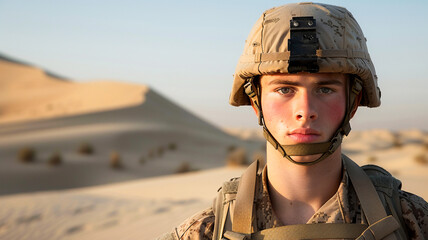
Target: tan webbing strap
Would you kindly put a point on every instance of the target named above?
(342, 53)
(380, 229)
(265, 57)
(366, 192)
(243, 212)
(219, 215)
(302, 150)
(311, 231)
(235, 236)
(285, 56)
(370, 202)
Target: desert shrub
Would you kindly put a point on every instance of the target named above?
(183, 168)
(172, 146)
(115, 160)
(55, 159)
(396, 141)
(231, 148)
(86, 149)
(371, 159)
(27, 155)
(394, 173)
(238, 157)
(421, 159)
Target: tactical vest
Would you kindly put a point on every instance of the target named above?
(376, 189)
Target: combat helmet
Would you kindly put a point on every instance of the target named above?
(306, 37)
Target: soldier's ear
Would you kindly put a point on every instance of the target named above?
(356, 104)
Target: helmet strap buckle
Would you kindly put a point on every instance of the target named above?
(253, 93)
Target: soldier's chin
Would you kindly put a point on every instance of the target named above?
(308, 158)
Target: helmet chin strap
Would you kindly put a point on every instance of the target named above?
(305, 149)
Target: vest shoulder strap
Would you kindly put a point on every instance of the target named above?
(385, 185)
(222, 204)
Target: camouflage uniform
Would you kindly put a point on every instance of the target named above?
(342, 207)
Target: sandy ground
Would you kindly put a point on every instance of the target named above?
(144, 209)
(133, 210)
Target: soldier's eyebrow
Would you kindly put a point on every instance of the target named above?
(297, 83)
(284, 82)
(330, 82)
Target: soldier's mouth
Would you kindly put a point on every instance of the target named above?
(304, 135)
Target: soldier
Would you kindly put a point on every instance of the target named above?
(305, 70)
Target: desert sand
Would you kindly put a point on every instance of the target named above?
(144, 209)
(140, 209)
(140, 195)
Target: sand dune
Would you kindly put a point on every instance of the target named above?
(246, 133)
(53, 116)
(141, 133)
(29, 93)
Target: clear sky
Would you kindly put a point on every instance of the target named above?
(187, 50)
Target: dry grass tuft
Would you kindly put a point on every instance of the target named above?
(27, 155)
(371, 159)
(395, 173)
(421, 159)
(396, 142)
(156, 152)
(55, 159)
(172, 146)
(183, 168)
(115, 160)
(237, 157)
(86, 149)
(231, 148)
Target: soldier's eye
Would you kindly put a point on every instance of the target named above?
(284, 90)
(325, 90)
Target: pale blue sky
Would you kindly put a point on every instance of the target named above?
(187, 50)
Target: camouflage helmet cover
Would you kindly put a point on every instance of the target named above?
(342, 48)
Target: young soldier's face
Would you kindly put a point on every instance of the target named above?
(303, 107)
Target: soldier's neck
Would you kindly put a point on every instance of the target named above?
(296, 191)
